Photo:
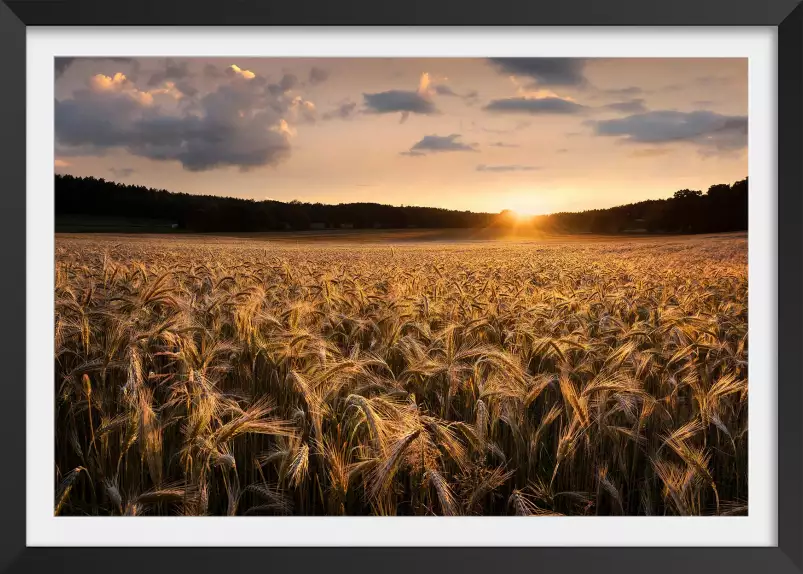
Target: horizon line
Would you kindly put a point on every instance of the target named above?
(400, 206)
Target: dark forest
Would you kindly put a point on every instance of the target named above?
(723, 207)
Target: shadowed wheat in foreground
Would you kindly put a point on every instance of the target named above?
(246, 378)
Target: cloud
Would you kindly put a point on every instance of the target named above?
(545, 71)
(437, 144)
(318, 75)
(630, 106)
(119, 84)
(445, 90)
(174, 78)
(344, 111)
(627, 92)
(394, 101)
(703, 128)
(235, 70)
(173, 70)
(212, 71)
(240, 123)
(403, 101)
(503, 144)
(470, 97)
(524, 105)
(121, 171)
(506, 168)
(57, 163)
(520, 125)
(672, 88)
(302, 111)
(61, 63)
(287, 83)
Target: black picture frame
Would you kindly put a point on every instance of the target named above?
(787, 15)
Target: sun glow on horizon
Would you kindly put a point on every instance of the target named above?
(523, 213)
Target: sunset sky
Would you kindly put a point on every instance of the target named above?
(536, 135)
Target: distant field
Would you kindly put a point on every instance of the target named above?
(401, 373)
(106, 224)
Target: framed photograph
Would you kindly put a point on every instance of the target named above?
(458, 286)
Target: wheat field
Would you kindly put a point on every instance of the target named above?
(242, 377)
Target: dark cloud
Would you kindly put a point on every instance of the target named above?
(395, 101)
(93, 122)
(445, 90)
(212, 71)
(62, 63)
(630, 106)
(318, 75)
(238, 124)
(121, 171)
(437, 144)
(506, 168)
(173, 70)
(503, 144)
(703, 128)
(545, 71)
(287, 83)
(550, 105)
(186, 88)
(344, 111)
(176, 72)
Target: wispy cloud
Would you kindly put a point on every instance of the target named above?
(534, 106)
(630, 106)
(121, 171)
(343, 111)
(506, 168)
(437, 144)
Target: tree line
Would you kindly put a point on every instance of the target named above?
(722, 208)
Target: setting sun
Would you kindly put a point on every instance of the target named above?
(522, 213)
